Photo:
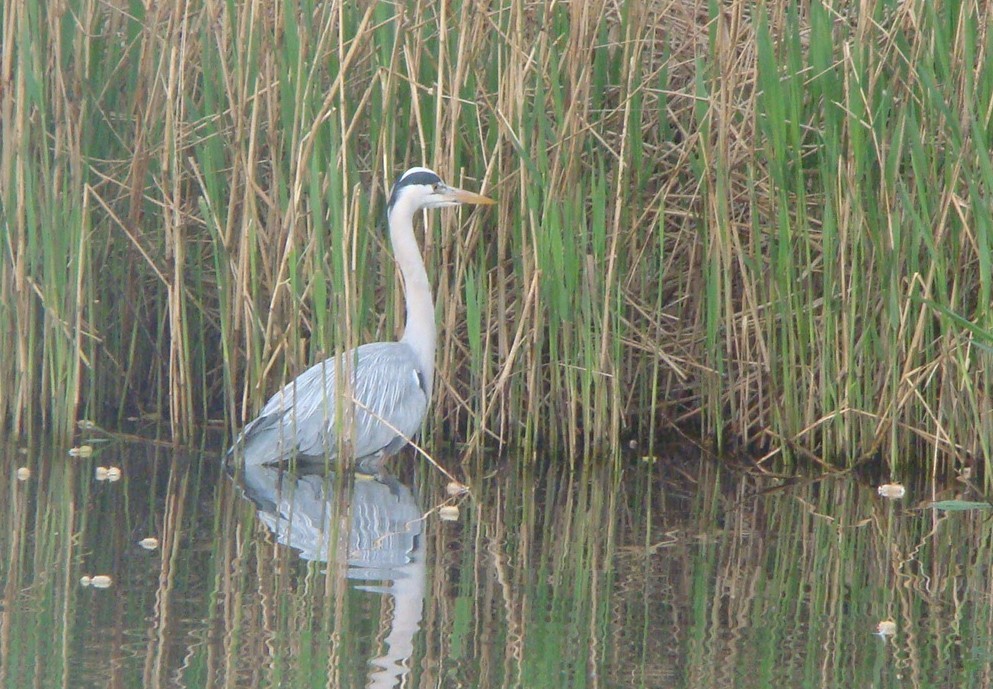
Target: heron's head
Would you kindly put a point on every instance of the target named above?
(420, 188)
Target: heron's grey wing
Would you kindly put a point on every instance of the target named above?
(389, 402)
(390, 395)
(286, 421)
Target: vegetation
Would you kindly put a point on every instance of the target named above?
(767, 223)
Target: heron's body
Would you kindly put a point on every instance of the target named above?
(388, 384)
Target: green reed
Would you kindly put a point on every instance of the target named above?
(873, 231)
(767, 225)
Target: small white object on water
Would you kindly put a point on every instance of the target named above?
(107, 474)
(448, 513)
(150, 543)
(893, 491)
(886, 628)
(454, 488)
(85, 580)
(101, 581)
(81, 451)
(23, 473)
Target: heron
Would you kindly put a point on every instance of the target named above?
(388, 383)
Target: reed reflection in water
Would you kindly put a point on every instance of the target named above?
(674, 573)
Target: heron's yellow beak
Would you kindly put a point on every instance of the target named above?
(463, 196)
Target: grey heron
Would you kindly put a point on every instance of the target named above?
(388, 383)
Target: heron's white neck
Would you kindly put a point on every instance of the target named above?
(419, 331)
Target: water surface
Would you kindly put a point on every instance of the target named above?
(670, 573)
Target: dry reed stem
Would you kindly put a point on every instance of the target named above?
(708, 213)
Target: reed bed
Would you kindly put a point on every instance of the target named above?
(766, 223)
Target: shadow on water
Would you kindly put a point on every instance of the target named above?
(672, 574)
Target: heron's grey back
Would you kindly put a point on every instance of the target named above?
(389, 398)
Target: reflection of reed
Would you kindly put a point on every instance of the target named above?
(532, 559)
(753, 572)
(15, 520)
(674, 574)
(170, 541)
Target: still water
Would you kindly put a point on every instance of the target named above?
(670, 573)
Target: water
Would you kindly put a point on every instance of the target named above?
(673, 573)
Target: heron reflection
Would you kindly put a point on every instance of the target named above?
(385, 550)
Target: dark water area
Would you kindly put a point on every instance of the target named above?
(145, 566)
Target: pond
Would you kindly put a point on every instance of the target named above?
(146, 566)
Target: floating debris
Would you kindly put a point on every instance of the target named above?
(960, 505)
(893, 491)
(150, 543)
(23, 473)
(107, 474)
(101, 581)
(886, 628)
(448, 513)
(81, 451)
(454, 488)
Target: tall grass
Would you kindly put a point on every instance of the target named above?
(766, 223)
